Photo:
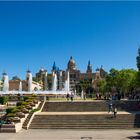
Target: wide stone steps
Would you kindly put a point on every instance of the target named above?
(94, 117)
(89, 106)
(87, 115)
(74, 106)
(92, 121)
(85, 126)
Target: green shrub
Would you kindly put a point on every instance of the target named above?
(3, 100)
(35, 110)
(12, 110)
(20, 107)
(24, 103)
(11, 115)
(15, 110)
(19, 104)
(9, 110)
(25, 98)
(29, 97)
(29, 100)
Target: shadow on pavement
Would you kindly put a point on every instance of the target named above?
(135, 137)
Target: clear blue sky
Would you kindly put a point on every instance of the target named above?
(34, 34)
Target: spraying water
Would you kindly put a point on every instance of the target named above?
(67, 83)
(82, 94)
(6, 82)
(20, 86)
(29, 80)
(54, 86)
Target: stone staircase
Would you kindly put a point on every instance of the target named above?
(89, 106)
(75, 106)
(86, 115)
(82, 121)
(26, 122)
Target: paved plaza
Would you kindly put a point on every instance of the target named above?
(46, 134)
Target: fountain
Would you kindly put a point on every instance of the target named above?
(82, 94)
(20, 86)
(5, 82)
(54, 83)
(67, 83)
(29, 80)
(45, 80)
(29, 85)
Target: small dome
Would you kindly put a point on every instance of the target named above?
(97, 69)
(42, 69)
(71, 64)
(71, 60)
(28, 71)
(4, 73)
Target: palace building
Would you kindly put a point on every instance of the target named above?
(75, 74)
(44, 80)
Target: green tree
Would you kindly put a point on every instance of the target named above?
(101, 85)
(126, 80)
(138, 59)
(86, 86)
(111, 79)
(3, 100)
(137, 81)
(123, 80)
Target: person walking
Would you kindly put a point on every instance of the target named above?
(67, 96)
(115, 111)
(109, 107)
(71, 96)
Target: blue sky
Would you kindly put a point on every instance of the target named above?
(34, 34)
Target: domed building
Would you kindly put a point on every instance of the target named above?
(75, 75)
(73, 72)
(71, 64)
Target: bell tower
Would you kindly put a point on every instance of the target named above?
(89, 67)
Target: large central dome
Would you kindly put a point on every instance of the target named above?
(71, 64)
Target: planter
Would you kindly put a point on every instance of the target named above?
(28, 107)
(25, 110)
(20, 115)
(14, 119)
(35, 101)
(32, 104)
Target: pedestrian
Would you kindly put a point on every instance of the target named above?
(71, 96)
(115, 111)
(84, 95)
(67, 96)
(109, 107)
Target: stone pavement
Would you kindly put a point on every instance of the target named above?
(70, 134)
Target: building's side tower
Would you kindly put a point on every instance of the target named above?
(89, 68)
